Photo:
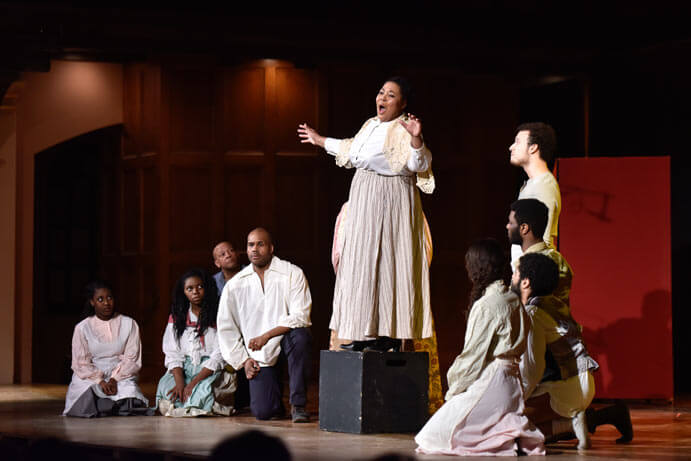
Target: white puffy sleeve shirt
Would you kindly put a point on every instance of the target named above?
(367, 151)
(192, 346)
(247, 311)
(106, 331)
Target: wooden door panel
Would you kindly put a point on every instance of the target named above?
(242, 110)
(131, 211)
(296, 102)
(128, 286)
(244, 196)
(150, 209)
(110, 204)
(296, 206)
(190, 208)
(191, 110)
(141, 110)
(351, 91)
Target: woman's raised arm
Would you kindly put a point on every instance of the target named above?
(308, 134)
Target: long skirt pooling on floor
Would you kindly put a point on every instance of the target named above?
(486, 420)
(91, 404)
(106, 356)
(213, 395)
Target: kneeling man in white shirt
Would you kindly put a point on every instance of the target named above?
(263, 320)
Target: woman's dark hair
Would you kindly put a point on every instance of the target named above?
(485, 262)
(90, 291)
(404, 85)
(180, 304)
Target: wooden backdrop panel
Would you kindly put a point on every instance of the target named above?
(128, 286)
(241, 123)
(151, 317)
(190, 208)
(351, 95)
(110, 201)
(296, 102)
(131, 210)
(141, 90)
(150, 209)
(150, 97)
(132, 110)
(244, 198)
(297, 214)
(192, 103)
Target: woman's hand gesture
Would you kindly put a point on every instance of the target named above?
(307, 134)
(413, 126)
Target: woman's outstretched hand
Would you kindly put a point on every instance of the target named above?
(307, 134)
(414, 127)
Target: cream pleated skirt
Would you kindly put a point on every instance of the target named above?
(382, 284)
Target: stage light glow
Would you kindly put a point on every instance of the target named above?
(82, 79)
(552, 79)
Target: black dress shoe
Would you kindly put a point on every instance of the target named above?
(384, 343)
(358, 346)
(617, 415)
(299, 415)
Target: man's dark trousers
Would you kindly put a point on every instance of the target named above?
(266, 389)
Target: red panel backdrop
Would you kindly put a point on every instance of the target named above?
(615, 232)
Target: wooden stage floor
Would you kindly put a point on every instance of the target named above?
(33, 412)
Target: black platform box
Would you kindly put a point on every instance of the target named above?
(369, 392)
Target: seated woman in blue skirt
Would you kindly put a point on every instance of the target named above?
(197, 382)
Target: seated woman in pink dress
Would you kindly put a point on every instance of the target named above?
(106, 358)
(484, 410)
